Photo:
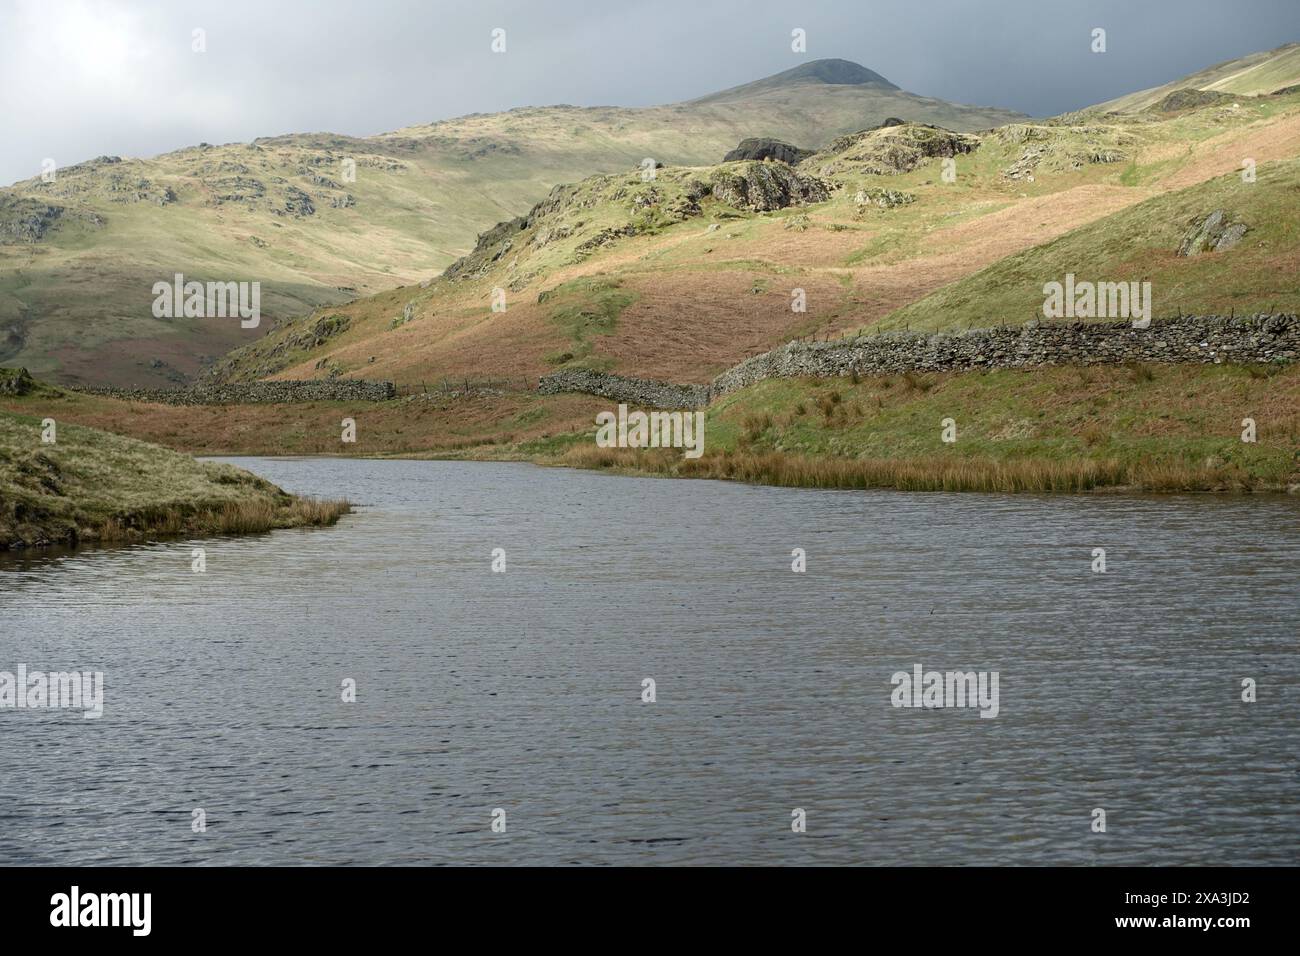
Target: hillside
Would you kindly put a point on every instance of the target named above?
(680, 275)
(79, 255)
(88, 485)
(678, 279)
(1256, 74)
(1149, 243)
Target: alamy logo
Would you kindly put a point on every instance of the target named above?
(215, 300)
(103, 909)
(653, 430)
(1097, 300)
(57, 690)
(935, 689)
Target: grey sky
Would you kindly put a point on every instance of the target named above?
(81, 78)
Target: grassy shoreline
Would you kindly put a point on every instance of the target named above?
(1162, 429)
(89, 486)
(925, 474)
(1158, 428)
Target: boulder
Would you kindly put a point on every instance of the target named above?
(1214, 233)
(759, 148)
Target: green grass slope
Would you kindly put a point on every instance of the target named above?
(1149, 428)
(1142, 244)
(677, 279)
(1252, 75)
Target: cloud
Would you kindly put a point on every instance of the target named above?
(81, 78)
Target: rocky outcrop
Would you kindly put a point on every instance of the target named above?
(488, 249)
(15, 381)
(26, 220)
(759, 148)
(884, 198)
(492, 245)
(1190, 99)
(1187, 340)
(763, 187)
(280, 355)
(256, 393)
(1062, 147)
(891, 150)
(1214, 233)
(298, 204)
(242, 189)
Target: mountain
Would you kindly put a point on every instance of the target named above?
(1257, 74)
(818, 72)
(679, 278)
(79, 256)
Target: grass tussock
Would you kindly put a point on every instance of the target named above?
(231, 517)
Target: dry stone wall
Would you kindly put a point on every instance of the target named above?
(257, 393)
(1186, 340)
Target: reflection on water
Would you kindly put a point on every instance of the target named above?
(522, 690)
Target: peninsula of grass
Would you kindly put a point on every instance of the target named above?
(90, 486)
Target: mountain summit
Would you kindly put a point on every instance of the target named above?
(826, 72)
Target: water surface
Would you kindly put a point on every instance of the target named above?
(522, 691)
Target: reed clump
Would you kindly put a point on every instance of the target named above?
(922, 473)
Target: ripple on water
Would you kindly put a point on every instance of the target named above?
(522, 690)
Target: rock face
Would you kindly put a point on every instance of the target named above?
(317, 334)
(280, 355)
(26, 220)
(1188, 340)
(762, 187)
(297, 203)
(257, 393)
(760, 149)
(1214, 233)
(500, 239)
(490, 247)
